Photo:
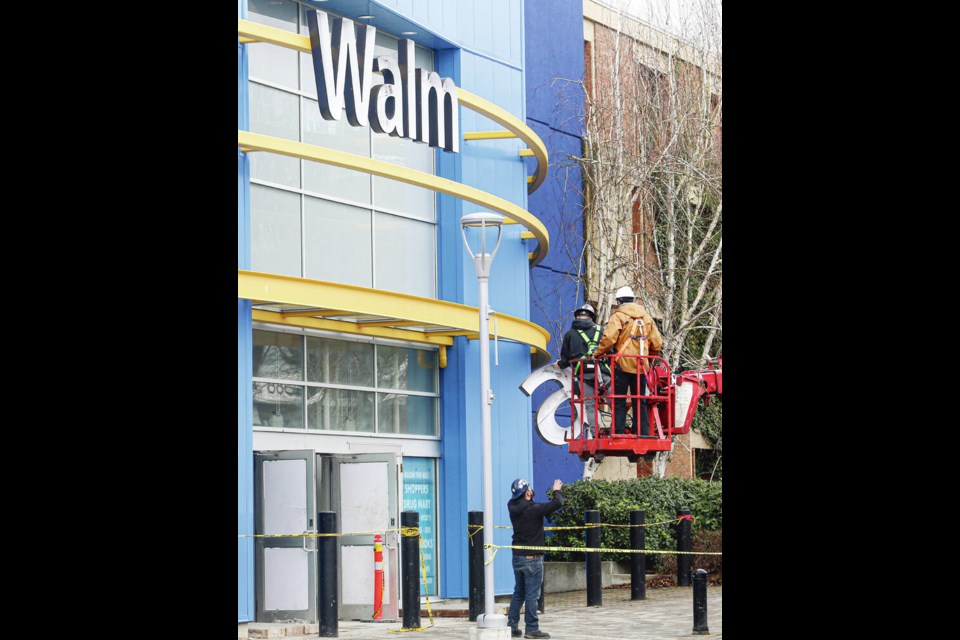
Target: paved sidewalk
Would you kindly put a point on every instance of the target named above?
(665, 614)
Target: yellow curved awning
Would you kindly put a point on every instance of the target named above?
(344, 308)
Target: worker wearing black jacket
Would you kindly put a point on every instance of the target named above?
(527, 516)
(580, 341)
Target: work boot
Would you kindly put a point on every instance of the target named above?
(515, 632)
(537, 634)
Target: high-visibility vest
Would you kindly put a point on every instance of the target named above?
(592, 344)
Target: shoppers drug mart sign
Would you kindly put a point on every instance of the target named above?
(404, 102)
(419, 494)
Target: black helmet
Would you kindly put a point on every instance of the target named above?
(586, 309)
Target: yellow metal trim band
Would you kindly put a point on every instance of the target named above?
(507, 120)
(260, 142)
(272, 35)
(268, 287)
(488, 135)
(262, 33)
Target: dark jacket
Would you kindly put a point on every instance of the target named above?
(573, 346)
(527, 516)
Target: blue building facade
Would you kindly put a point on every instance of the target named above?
(554, 65)
(505, 52)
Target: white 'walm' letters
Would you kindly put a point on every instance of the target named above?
(403, 102)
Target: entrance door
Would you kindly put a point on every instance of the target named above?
(364, 495)
(284, 502)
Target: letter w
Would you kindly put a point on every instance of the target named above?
(359, 54)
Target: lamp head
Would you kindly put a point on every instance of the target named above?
(482, 220)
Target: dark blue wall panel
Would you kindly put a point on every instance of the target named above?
(554, 52)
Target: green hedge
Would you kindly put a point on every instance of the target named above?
(702, 541)
(659, 498)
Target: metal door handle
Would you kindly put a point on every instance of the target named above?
(305, 538)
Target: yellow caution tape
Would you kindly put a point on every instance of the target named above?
(478, 527)
(426, 593)
(645, 524)
(404, 531)
(496, 547)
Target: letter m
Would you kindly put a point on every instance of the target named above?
(350, 45)
(438, 111)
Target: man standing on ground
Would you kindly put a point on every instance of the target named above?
(631, 331)
(527, 516)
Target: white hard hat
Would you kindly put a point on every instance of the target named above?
(624, 292)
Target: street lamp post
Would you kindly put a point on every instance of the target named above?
(482, 262)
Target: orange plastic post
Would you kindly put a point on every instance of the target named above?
(378, 577)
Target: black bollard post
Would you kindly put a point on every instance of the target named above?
(475, 553)
(543, 590)
(638, 561)
(594, 581)
(684, 560)
(700, 603)
(327, 573)
(410, 574)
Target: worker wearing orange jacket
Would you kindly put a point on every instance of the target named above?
(630, 331)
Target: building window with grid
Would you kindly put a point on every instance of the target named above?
(316, 382)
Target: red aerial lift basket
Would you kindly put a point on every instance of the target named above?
(669, 401)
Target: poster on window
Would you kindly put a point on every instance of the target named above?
(420, 494)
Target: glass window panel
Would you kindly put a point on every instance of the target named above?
(278, 169)
(337, 242)
(386, 46)
(423, 58)
(281, 14)
(407, 369)
(339, 362)
(340, 135)
(416, 415)
(392, 194)
(274, 231)
(277, 405)
(308, 79)
(406, 255)
(339, 410)
(267, 61)
(277, 355)
(274, 113)
(272, 63)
